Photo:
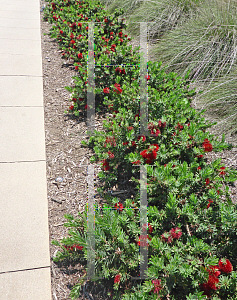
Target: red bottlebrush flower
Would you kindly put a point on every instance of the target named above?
(134, 144)
(212, 281)
(161, 125)
(71, 107)
(207, 146)
(207, 181)
(78, 247)
(154, 145)
(125, 143)
(121, 40)
(123, 72)
(119, 206)
(222, 172)
(225, 267)
(136, 162)
(118, 70)
(103, 38)
(173, 166)
(87, 27)
(214, 270)
(218, 192)
(136, 116)
(209, 204)
(111, 33)
(130, 128)
(117, 89)
(117, 278)
(74, 99)
(111, 155)
(120, 34)
(168, 239)
(72, 42)
(125, 35)
(106, 90)
(200, 156)
(86, 106)
(157, 285)
(61, 32)
(86, 18)
(156, 132)
(79, 24)
(105, 165)
(113, 46)
(72, 36)
(141, 136)
(150, 229)
(55, 18)
(144, 153)
(175, 233)
(147, 77)
(79, 55)
(199, 168)
(165, 165)
(105, 20)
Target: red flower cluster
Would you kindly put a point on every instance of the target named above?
(120, 71)
(137, 162)
(113, 48)
(111, 155)
(105, 165)
(179, 126)
(150, 154)
(174, 233)
(227, 267)
(106, 90)
(207, 146)
(209, 204)
(222, 172)
(110, 140)
(143, 241)
(119, 206)
(157, 285)
(79, 55)
(161, 125)
(74, 247)
(117, 89)
(207, 181)
(150, 229)
(141, 137)
(153, 129)
(214, 272)
(117, 278)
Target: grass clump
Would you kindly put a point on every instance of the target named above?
(205, 44)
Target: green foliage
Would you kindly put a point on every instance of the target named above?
(190, 226)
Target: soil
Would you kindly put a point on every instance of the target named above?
(66, 163)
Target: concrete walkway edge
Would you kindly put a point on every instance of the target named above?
(24, 231)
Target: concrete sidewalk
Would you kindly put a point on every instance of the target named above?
(24, 232)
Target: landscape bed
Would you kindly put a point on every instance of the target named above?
(191, 228)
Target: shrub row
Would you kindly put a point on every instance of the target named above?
(191, 231)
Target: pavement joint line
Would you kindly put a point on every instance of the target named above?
(20, 161)
(25, 270)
